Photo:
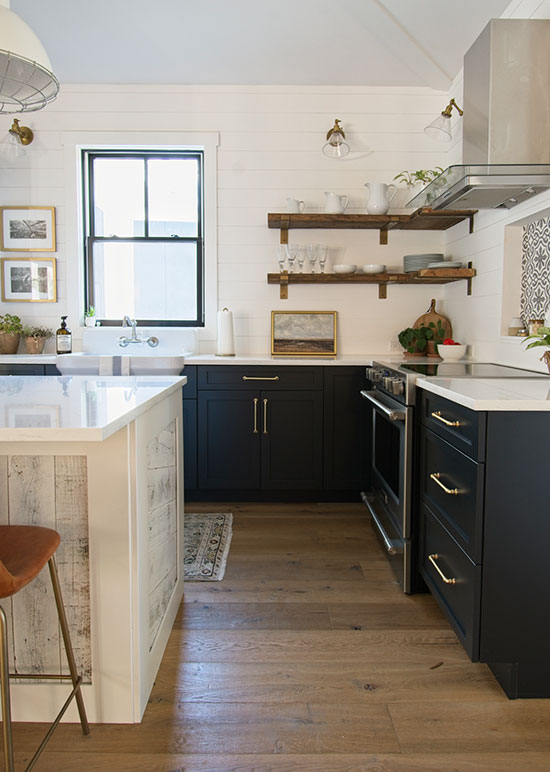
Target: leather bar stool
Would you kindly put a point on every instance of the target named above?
(24, 551)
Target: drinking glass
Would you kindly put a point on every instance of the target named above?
(281, 256)
(301, 256)
(291, 252)
(322, 253)
(312, 256)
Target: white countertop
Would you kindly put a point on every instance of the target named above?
(250, 359)
(27, 359)
(71, 408)
(492, 393)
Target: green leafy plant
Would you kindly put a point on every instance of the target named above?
(415, 339)
(90, 312)
(11, 324)
(410, 179)
(541, 338)
(36, 331)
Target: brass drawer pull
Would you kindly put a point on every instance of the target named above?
(432, 558)
(265, 416)
(437, 415)
(255, 429)
(450, 491)
(260, 378)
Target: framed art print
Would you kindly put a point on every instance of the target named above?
(27, 229)
(28, 279)
(303, 333)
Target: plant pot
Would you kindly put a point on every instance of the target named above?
(89, 321)
(546, 358)
(34, 345)
(9, 342)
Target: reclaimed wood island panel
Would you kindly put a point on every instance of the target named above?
(99, 460)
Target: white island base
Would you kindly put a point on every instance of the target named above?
(105, 468)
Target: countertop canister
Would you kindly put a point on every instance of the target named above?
(226, 338)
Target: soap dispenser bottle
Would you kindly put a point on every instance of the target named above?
(63, 338)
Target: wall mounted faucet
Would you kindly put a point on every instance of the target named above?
(124, 341)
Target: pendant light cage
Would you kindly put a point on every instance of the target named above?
(25, 86)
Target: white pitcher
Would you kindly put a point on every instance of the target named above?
(294, 205)
(335, 203)
(380, 196)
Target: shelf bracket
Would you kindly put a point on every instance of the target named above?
(285, 222)
(471, 219)
(383, 240)
(469, 281)
(382, 289)
(283, 294)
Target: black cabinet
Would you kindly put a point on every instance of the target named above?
(17, 369)
(483, 535)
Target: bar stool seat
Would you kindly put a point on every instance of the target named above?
(24, 551)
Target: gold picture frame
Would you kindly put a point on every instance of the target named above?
(303, 333)
(28, 279)
(27, 228)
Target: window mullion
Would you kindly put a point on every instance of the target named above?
(146, 197)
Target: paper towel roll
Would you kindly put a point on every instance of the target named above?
(226, 342)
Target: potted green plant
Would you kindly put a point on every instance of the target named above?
(89, 317)
(421, 177)
(10, 333)
(35, 337)
(541, 338)
(418, 341)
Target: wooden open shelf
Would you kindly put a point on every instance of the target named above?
(424, 219)
(424, 276)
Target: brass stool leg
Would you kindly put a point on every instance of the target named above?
(68, 646)
(6, 708)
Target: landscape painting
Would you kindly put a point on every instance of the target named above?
(303, 333)
(25, 229)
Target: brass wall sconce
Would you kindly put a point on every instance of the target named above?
(440, 127)
(23, 133)
(336, 146)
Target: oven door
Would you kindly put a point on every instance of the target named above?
(389, 501)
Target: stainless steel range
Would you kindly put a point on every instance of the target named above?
(393, 397)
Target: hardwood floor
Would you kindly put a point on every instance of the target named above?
(307, 657)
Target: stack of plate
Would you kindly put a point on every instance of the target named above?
(416, 262)
(446, 264)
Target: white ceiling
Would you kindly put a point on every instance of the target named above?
(277, 42)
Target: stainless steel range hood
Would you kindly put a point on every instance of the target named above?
(506, 124)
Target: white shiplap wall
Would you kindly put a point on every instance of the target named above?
(270, 142)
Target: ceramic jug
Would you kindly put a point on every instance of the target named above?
(380, 196)
(335, 203)
(294, 205)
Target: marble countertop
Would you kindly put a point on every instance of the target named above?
(492, 393)
(27, 359)
(76, 408)
(251, 359)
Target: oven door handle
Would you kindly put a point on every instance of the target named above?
(385, 538)
(393, 415)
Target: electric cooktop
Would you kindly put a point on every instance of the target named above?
(469, 370)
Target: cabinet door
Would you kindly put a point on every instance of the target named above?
(190, 443)
(292, 440)
(347, 430)
(229, 439)
(21, 369)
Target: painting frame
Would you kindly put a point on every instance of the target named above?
(27, 228)
(303, 333)
(28, 279)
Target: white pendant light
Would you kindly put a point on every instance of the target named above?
(27, 82)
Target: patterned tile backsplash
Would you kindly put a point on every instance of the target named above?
(535, 270)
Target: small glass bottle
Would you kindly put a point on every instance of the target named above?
(63, 338)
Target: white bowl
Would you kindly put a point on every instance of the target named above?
(451, 352)
(374, 268)
(344, 268)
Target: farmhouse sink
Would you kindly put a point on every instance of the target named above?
(143, 363)
(102, 355)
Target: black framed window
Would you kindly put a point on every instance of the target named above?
(144, 248)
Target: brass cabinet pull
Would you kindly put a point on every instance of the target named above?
(437, 415)
(432, 558)
(260, 378)
(255, 430)
(265, 416)
(450, 491)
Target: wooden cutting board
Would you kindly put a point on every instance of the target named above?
(431, 315)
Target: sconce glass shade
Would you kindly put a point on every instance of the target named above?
(27, 82)
(11, 148)
(336, 147)
(440, 128)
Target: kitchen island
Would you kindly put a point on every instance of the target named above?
(99, 459)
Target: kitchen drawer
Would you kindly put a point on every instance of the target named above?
(462, 427)
(260, 377)
(451, 485)
(456, 585)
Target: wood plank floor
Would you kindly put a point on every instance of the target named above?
(307, 657)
